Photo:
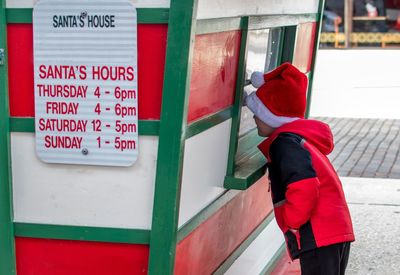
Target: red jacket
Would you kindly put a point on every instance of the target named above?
(309, 203)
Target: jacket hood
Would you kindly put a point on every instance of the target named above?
(314, 132)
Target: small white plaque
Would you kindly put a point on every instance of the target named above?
(85, 71)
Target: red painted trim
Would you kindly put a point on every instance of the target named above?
(152, 44)
(61, 257)
(304, 46)
(152, 40)
(20, 69)
(205, 249)
(214, 70)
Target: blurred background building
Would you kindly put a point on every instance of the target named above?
(361, 23)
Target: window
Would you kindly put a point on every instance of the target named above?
(262, 55)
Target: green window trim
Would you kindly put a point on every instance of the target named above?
(274, 261)
(247, 166)
(314, 55)
(186, 229)
(144, 15)
(206, 26)
(244, 245)
(7, 241)
(27, 125)
(250, 164)
(82, 233)
(273, 21)
(255, 22)
(175, 97)
(237, 107)
(208, 122)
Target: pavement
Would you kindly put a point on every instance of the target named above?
(375, 209)
(365, 147)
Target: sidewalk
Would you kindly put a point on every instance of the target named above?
(365, 147)
(375, 208)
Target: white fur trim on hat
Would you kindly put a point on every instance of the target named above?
(257, 79)
(262, 112)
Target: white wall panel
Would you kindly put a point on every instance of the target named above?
(82, 195)
(137, 3)
(228, 8)
(204, 169)
(261, 251)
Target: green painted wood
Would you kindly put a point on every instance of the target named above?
(218, 25)
(244, 245)
(237, 107)
(22, 124)
(250, 163)
(7, 243)
(19, 15)
(255, 22)
(178, 64)
(206, 213)
(247, 173)
(273, 262)
(207, 122)
(247, 145)
(149, 127)
(314, 56)
(27, 124)
(281, 20)
(152, 16)
(144, 15)
(289, 42)
(82, 233)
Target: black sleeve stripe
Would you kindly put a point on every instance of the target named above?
(291, 159)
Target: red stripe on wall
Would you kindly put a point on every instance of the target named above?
(304, 46)
(61, 257)
(214, 69)
(205, 249)
(152, 44)
(20, 69)
(152, 41)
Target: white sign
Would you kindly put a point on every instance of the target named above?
(85, 66)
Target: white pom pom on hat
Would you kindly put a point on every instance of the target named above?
(257, 79)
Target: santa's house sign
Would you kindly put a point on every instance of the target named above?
(85, 66)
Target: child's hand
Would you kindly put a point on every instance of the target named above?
(294, 231)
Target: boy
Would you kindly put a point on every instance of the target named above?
(309, 202)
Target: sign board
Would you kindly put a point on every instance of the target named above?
(85, 71)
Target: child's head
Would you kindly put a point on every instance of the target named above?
(279, 99)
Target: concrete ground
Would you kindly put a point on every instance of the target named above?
(375, 209)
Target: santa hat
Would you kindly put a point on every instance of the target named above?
(280, 97)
